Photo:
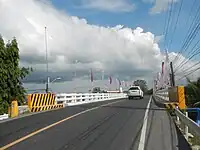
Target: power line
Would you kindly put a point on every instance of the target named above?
(192, 55)
(189, 68)
(179, 12)
(189, 73)
(167, 23)
(191, 37)
(189, 40)
(190, 14)
(193, 50)
(188, 32)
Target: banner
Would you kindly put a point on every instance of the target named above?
(119, 82)
(110, 80)
(163, 68)
(167, 71)
(123, 83)
(126, 85)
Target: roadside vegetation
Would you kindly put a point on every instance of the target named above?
(11, 75)
(192, 91)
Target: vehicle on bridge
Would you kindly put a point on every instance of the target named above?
(135, 91)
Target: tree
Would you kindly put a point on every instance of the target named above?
(142, 84)
(11, 75)
(96, 90)
(149, 92)
(3, 104)
(192, 91)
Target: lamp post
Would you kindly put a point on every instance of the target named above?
(47, 65)
(76, 62)
(48, 83)
(56, 79)
(102, 76)
(75, 73)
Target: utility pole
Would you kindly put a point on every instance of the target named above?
(172, 75)
(47, 65)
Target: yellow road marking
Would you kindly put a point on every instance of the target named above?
(52, 125)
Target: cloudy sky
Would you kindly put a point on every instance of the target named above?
(124, 38)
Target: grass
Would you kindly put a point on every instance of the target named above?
(195, 140)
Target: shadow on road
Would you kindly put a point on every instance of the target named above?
(134, 108)
(182, 142)
(159, 104)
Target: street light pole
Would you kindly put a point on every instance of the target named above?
(56, 79)
(76, 62)
(47, 85)
(75, 74)
(50, 82)
(47, 65)
(102, 78)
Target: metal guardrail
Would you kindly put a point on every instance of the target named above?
(23, 109)
(189, 123)
(185, 124)
(197, 111)
(162, 94)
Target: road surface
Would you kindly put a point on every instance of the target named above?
(109, 125)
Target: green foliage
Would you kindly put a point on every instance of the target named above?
(149, 92)
(192, 91)
(98, 90)
(142, 84)
(10, 75)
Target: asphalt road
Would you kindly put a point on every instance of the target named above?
(115, 126)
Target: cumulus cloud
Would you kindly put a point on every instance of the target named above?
(119, 51)
(183, 67)
(109, 5)
(159, 5)
(159, 38)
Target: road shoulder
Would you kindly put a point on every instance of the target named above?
(162, 132)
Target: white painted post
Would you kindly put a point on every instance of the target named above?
(186, 127)
(177, 118)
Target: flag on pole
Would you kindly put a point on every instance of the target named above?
(91, 76)
(163, 68)
(159, 79)
(167, 70)
(110, 80)
(162, 75)
(125, 83)
(119, 82)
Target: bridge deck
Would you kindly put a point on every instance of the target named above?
(116, 126)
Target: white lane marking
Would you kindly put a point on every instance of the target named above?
(144, 127)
